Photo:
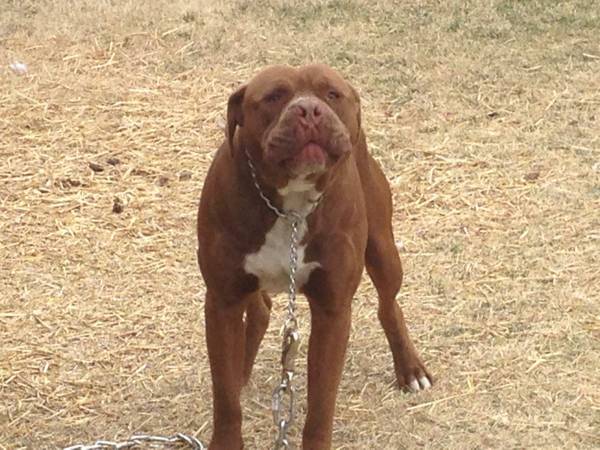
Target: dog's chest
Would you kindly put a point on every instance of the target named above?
(271, 263)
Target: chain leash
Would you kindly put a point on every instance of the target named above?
(283, 415)
(283, 410)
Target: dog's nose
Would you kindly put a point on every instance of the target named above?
(308, 109)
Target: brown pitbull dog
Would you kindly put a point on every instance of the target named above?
(301, 129)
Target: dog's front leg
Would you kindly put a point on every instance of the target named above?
(225, 342)
(326, 352)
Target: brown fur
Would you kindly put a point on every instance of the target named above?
(350, 229)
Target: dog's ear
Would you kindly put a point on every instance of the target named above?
(358, 113)
(235, 115)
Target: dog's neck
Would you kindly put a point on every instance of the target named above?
(299, 195)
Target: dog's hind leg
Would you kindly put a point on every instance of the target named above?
(385, 270)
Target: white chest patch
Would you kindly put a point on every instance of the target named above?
(271, 263)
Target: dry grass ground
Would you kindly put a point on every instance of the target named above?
(486, 117)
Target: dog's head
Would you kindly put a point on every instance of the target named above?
(295, 122)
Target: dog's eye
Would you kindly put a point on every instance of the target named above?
(274, 96)
(332, 94)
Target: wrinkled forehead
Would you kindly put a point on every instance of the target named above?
(313, 77)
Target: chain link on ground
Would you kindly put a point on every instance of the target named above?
(137, 441)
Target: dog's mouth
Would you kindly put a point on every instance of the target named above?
(311, 154)
(311, 158)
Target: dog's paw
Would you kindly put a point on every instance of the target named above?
(413, 376)
(421, 384)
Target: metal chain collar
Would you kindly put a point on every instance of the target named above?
(291, 216)
(282, 416)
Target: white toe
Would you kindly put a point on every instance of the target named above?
(414, 385)
(424, 382)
